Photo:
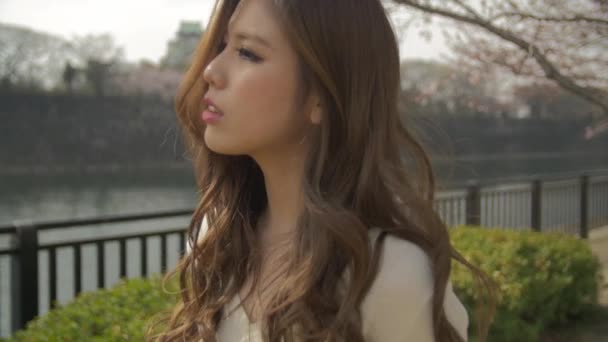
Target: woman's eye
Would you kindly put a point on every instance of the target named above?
(249, 55)
(242, 52)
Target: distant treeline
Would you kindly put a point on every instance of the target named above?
(76, 131)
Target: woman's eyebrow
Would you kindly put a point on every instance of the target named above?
(242, 35)
(254, 37)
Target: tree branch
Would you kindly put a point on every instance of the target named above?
(593, 95)
(467, 8)
(573, 19)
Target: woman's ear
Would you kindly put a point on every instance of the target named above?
(316, 114)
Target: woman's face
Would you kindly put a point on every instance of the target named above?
(255, 85)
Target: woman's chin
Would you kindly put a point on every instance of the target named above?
(219, 145)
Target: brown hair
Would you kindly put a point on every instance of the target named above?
(378, 176)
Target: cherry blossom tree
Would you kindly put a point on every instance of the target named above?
(562, 41)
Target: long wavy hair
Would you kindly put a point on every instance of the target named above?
(364, 169)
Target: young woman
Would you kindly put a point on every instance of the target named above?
(315, 220)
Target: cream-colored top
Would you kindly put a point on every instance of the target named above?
(397, 308)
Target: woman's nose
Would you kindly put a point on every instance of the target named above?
(213, 75)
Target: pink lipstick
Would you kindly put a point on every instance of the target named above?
(212, 113)
(211, 117)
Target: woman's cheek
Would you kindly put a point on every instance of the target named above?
(264, 98)
(256, 88)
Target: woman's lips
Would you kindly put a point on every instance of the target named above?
(212, 113)
(211, 117)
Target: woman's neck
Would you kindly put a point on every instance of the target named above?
(283, 183)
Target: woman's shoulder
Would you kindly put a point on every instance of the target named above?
(398, 305)
(404, 267)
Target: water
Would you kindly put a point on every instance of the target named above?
(28, 197)
(69, 196)
(519, 165)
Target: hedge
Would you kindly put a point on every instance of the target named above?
(545, 279)
(117, 314)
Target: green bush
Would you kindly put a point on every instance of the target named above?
(117, 314)
(544, 278)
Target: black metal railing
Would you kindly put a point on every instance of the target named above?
(25, 255)
(567, 202)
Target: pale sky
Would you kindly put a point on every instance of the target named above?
(142, 27)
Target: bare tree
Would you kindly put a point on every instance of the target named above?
(39, 61)
(28, 59)
(559, 40)
(100, 47)
(99, 57)
(69, 75)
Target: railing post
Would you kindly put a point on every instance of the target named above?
(473, 204)
(25, 276)
(584, 228)
(536, 205)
